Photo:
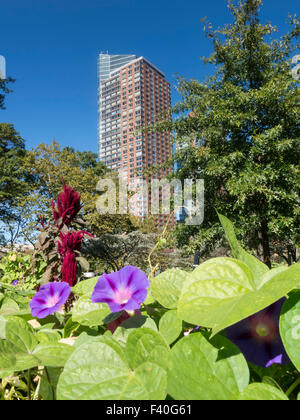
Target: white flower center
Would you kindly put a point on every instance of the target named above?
(122, 296)
(52, 301)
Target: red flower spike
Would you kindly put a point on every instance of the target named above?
(68, 245)
(67, 206)
(70, 242)
(69, 268)
(42, 221)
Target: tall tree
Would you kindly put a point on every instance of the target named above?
(13, 180)
(4, 90)
(247, 120)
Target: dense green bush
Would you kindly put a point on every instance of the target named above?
(16, 269)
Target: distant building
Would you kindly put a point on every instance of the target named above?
(2, 67)
(132, 93)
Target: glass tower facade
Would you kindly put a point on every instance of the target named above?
(107, 64)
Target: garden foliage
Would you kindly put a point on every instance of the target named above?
(173, 347)
(238, 130)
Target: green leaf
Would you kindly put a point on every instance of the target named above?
(230, 235)
(290, 328)
(70, 327)
(85, 287)
(7, 357)
(149, 299)
(170, 326)
(256, 266)
(166, 287)
(271, 381)
(22, 350)
(154, 380)
(20, 333)
(90, 314)
(48, 336)
(262, 392)
(138, 321)
(99, 371)
(5, 373)
(200, 369)
(84, 338)
(24, 314)
(221, 291)
(112, 317)
(52, 354)
(2, 327)
(47, 389)
(146, 345)
(9, 306)
(20, 343)
(83, 263)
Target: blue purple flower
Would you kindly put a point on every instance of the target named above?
(122, 290)
(277, 360)
(49, 299)
(258, 337)
(15, 282)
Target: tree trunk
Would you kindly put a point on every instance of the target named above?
(292, 257)
(265, 242)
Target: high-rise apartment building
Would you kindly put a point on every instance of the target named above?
(132, 93)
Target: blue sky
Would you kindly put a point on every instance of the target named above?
(51, 49)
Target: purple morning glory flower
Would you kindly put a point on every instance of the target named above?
(123, 290)
(277, 360)
(15, 282)
(49, 299)
(258, 337)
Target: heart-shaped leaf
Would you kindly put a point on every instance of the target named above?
(256, 266)
(202, 369)
(9, 306)
(166, 287)
(52, 354)
(2, 327)
(146, 345)
(221, 291)
(21, 334)
(90, 314)
(290, 328)
(99, 370)
(262, 392)
(170, 326)
(21, 349)
(85, 287)
(137, 321)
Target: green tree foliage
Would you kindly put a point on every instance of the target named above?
(245, 120)
(4, 90)
(13, 180)
(48, 164)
